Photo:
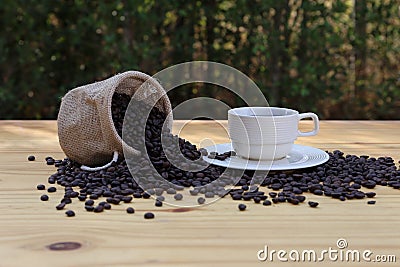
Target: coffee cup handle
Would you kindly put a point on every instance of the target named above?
(314, 117)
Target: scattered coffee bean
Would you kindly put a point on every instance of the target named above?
(237, 197)
(98, 208)
(158, 203)
(66, 200)
(242, 207)
(130, 210)
(82, 198)
(70, 213)
(178, 196)
(272, 194)
(89, 202)
(209, 194)
(60, 206)
(171, 191)
(201, 200)
(107, 206)
(267, 203)
(371, 202)
(194, 192)
(31, 158)
(257, 199)
(313, 204)
(149, 215)
(41, 187)
(160, 198)
(294, 201)
(51, 189)
(127, 199)
(44, 198)
(370, 194)
(89, 208)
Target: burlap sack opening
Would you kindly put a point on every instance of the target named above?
(85, 127)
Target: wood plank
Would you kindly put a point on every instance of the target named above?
(214, 235)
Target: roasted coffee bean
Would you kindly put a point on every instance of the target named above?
(115, 201)
(149, 215)
(31, 158)
(313, 204)
(44, 198)
(359, 195)
(201, 200)
(209, 194)
(107, 206)
(158, 203)
(94, 196)
(89, 202)
(272, 194)
(51, 189)
(66, 200)
(159, 191)
(146, 195)
(371, 202)
(126, 199)
(370, 194)
(237, 197)
(257, 199)
(137, 195)
(41, 187)
(267, 203)
(70, 213)
(242, 207)
(98, 208)
(82, 198)
(60, 206)
(130, 210)
(171, 191)
(318, 192)
(178, 196)
(300, 198)
(73, 194)
(89, 208)
(160, 198)
(281, 199)
(194, 192)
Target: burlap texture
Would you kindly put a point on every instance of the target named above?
(85, 127)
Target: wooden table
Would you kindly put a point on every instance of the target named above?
(214, 235)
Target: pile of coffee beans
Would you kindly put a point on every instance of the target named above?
(179, 163)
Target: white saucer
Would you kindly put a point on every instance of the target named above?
(300, 157)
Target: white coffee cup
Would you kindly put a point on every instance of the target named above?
(266, 133)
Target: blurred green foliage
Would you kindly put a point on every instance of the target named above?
(337, 58)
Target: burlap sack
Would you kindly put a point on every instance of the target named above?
(85, 127)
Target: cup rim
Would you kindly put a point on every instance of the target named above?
(233, 112)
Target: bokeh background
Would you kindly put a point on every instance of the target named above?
(338, 58)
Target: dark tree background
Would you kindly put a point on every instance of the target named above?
(340, 58)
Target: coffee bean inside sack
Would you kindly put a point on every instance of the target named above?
(342, 177)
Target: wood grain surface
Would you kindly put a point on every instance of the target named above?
(34, 233)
